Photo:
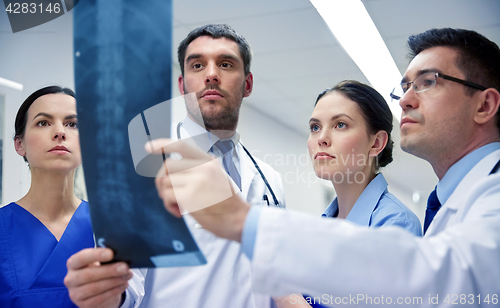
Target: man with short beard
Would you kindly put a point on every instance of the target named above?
(215, 68)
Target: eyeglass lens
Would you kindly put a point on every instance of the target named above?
(421, 83)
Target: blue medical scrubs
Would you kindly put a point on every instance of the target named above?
(33, 262)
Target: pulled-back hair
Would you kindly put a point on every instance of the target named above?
(22, 113)
(375, 111)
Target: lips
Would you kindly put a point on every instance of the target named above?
(59, 149)
(406, 120)
(212, 94)
(323, 155)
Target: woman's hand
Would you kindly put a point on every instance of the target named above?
(92, 284)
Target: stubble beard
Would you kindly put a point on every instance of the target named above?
(226, 118)
(420, 147)
(408, 145)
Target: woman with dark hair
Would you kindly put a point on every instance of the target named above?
(40, 231)
(350, 140)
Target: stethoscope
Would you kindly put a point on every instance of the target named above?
(276, 202)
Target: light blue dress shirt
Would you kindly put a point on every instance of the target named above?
(375, 207)
(457, 172)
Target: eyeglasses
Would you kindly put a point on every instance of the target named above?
(427, 81)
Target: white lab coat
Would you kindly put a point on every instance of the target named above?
(457, 261)
(225, 281)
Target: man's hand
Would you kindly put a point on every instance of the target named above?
(91, 284)
(197, 184)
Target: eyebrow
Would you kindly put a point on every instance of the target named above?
(230, 57)
(193, 56)
(335, 117)
(223, 56)
(421, 72)
(43, 114)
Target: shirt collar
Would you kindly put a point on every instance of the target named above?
(202, 137)
(366, 203)
(332, 209)
(459, 170)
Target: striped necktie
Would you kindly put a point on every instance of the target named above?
(226, 147)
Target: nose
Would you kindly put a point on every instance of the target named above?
(409, 100)
(59, 133)
(324, 139)
(212, 74)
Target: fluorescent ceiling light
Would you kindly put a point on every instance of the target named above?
(11, 84)
(354, 29)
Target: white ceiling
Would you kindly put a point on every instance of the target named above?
(296, 56)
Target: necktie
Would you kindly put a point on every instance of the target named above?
(495, 169)
(433, 206)
(225, 146)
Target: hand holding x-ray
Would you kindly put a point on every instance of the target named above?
(197, 184)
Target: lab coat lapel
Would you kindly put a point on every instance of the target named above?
(448, 214)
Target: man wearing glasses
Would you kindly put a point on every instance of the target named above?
(450, 99)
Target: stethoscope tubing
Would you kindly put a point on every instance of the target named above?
(276, 202)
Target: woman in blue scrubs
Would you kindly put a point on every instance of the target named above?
(40, 231)
(350, 139)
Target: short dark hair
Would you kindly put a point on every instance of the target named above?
(478, 57)
(22, 113)
(216, 31)
(374, 109)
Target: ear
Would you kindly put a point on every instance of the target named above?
(19, 147)
(180, 84)
(379, 143)
(488, 106)
(248, 85)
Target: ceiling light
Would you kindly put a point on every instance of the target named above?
(354, 29)
(415, 197)
(11, 84)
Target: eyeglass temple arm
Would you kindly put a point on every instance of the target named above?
(394, 96)
(464, 82)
